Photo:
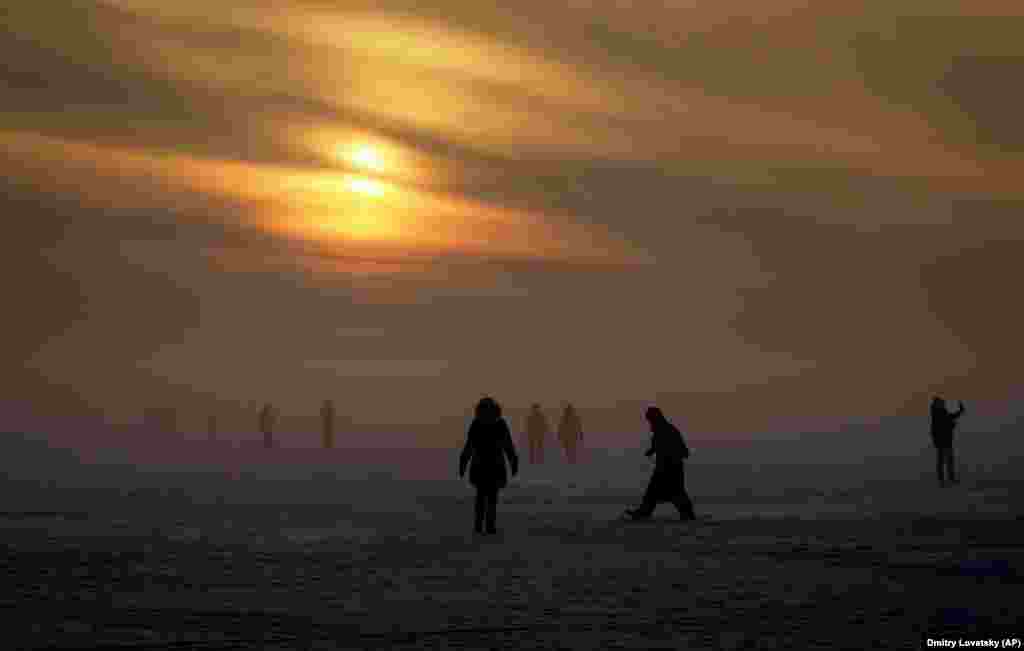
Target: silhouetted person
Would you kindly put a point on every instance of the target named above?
(570, 432)
(943, 424)
(488, 442)
(327, 420)
(536, 432)
(668, 482)
(268, 416)
(163, 419)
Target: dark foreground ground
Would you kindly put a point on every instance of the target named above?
(372, 566)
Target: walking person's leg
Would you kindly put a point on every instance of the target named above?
(648, 503)
(684, 505)
(951, 466)
(480, 508)
(492, 511)
(682, 500)
(647, 506)
(939, 461)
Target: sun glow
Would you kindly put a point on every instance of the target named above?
(366, 157)
(364, 186)
(357, 226)
(345, 210)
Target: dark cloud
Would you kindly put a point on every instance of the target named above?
(80, 316)
(970, 290)
(42, 299)
(982, 87)
(951, 69)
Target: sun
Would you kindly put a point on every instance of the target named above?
(367, 157)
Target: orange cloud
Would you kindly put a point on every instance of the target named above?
(471, 88)
(344, 212)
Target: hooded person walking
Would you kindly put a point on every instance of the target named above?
(488, 442)
(668, 482)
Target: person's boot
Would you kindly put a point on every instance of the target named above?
(687, 512)
(637, 514)
(478, 513)
(492, 514)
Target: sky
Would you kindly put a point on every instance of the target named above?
(758, 214)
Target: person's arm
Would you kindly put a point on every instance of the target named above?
(510, 451)
(959, 412)
(467, 452)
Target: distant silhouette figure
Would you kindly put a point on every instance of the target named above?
(570, 432)
(943, 424)
(536, 432)
(268, 417)
(327, 418)
(163, 419)
(488, 442)
(211, 427)
(668, 482)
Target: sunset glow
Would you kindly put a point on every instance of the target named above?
(264, 260)
(367, 158)
(722, 186)
(364, 186)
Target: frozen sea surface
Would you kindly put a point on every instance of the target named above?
(304, 560)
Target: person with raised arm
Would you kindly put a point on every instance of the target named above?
(943, 422)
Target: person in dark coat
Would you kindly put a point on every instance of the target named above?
(668, 483)
(943, 424)
(488, 442)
